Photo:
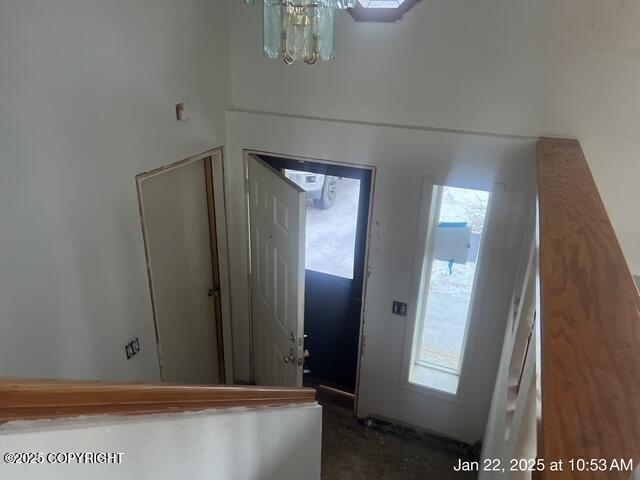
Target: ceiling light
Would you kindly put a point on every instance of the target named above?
(300, 30)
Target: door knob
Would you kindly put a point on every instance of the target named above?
(291, 358)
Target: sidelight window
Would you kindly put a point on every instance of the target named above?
(455, 233)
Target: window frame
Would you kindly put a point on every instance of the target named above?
(422, 269)
(381, 15)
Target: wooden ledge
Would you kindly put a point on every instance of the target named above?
(590, 320)
(46, 399)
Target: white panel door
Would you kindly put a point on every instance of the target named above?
(178, 241)
(277, 219)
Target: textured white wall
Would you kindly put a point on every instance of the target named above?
(402, 157)
(534, 67)
(263, 444)
(87, 89)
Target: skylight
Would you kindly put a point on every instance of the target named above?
(380, 10)
(380, 3)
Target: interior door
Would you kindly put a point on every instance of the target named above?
(176, 224)
(277, 218)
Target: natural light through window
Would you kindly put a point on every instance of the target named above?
(332, 220)
(380, 3)
(458, 221)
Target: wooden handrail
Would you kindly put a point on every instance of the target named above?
(589, 320)
(44, 399)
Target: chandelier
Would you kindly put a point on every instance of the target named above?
(300, 30)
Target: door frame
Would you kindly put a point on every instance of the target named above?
(365, 274)
(213, 161)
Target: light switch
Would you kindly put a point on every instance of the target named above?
(399, 308)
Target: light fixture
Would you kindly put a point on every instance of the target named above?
(300, 30)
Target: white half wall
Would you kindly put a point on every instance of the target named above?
(546, 67)
(402, 157)
(87, 95)
(261, 444)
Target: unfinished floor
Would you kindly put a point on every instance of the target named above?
(351, 451)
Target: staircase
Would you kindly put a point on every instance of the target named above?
(565, 402)
(81, 430)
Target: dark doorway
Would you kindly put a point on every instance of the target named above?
(336, 231)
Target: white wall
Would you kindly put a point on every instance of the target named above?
(264, 444)
(402, 158)
(533, 67)
(87, 89)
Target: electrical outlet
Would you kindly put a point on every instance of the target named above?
(132, 348)
(399, 308)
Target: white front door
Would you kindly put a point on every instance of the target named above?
(277, 219)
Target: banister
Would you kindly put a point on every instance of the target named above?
(45, 399)
(589, 321)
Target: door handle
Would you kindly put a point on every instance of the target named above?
(291, 358)
(212, 291)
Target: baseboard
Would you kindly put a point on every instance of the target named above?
(434, 440)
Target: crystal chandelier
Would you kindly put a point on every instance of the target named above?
(300, 30)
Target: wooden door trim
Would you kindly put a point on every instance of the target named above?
(215, 273)
(215, 266)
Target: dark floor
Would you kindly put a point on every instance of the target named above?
(351, 451)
